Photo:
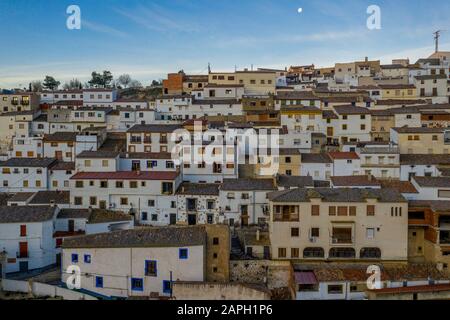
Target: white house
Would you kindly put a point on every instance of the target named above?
(143, 194)
(27, 237)
(138, 262)
(25, 174)
(345, 163)
(353, 123)
(432, 188)
(100, 97)
(319, 166)
(244, 201)
(198, 203)
(422, 165)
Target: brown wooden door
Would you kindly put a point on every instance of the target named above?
(58, 155)
(23, 249)
(330, 131)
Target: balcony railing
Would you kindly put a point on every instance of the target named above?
(341, 240)
(163, 140)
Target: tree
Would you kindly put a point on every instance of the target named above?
(124, 80)
(73, 85)
(156, 83)
(50, 83)
(36, 86)
(101, 80)
(135, 84)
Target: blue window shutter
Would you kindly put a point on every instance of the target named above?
(99, 282)
(74, 257)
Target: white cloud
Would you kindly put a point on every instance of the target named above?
(102, 29)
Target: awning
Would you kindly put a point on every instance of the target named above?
(305, 277)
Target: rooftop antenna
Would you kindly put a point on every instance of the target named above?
(437, 35)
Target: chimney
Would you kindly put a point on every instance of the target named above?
(257, 235)
(366, 59)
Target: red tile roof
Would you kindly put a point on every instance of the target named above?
(424, 288)
(126, 175)
(343, 155)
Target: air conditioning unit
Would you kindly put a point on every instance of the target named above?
(112, 205)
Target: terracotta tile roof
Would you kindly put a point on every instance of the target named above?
(61, 165)
(248, 184)
(61, 137)
(354, 181)
(316, 158)
(350, 110)
(336, 195)
(425, 159)
(142, 238)
(435, 205)
(432, 182)
(419, 130)
(413, 289)
(343, 155)
(147, 155)
(401, 186)
(161, 128)
(20, 214)
(28, 162)
(295, 181)
(50, 197)
(126, 175)
(99, 154)
(211, 189)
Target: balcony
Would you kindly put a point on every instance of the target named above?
(148, 140)
(163, 140)
(25, 102)
(135, 140)
(286, 217)
(341, 240)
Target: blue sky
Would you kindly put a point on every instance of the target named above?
(150, 38)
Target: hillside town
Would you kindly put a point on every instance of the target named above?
(255, 184)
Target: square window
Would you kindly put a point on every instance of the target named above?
(99, 282)
(295, 232)
(183, 253)
(74, 257)
(137, 284)
(87, 258)
(215, 241)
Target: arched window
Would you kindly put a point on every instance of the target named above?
(370, 253)
(342, 253)
(313, 253)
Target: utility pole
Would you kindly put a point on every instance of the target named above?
(437, 35)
